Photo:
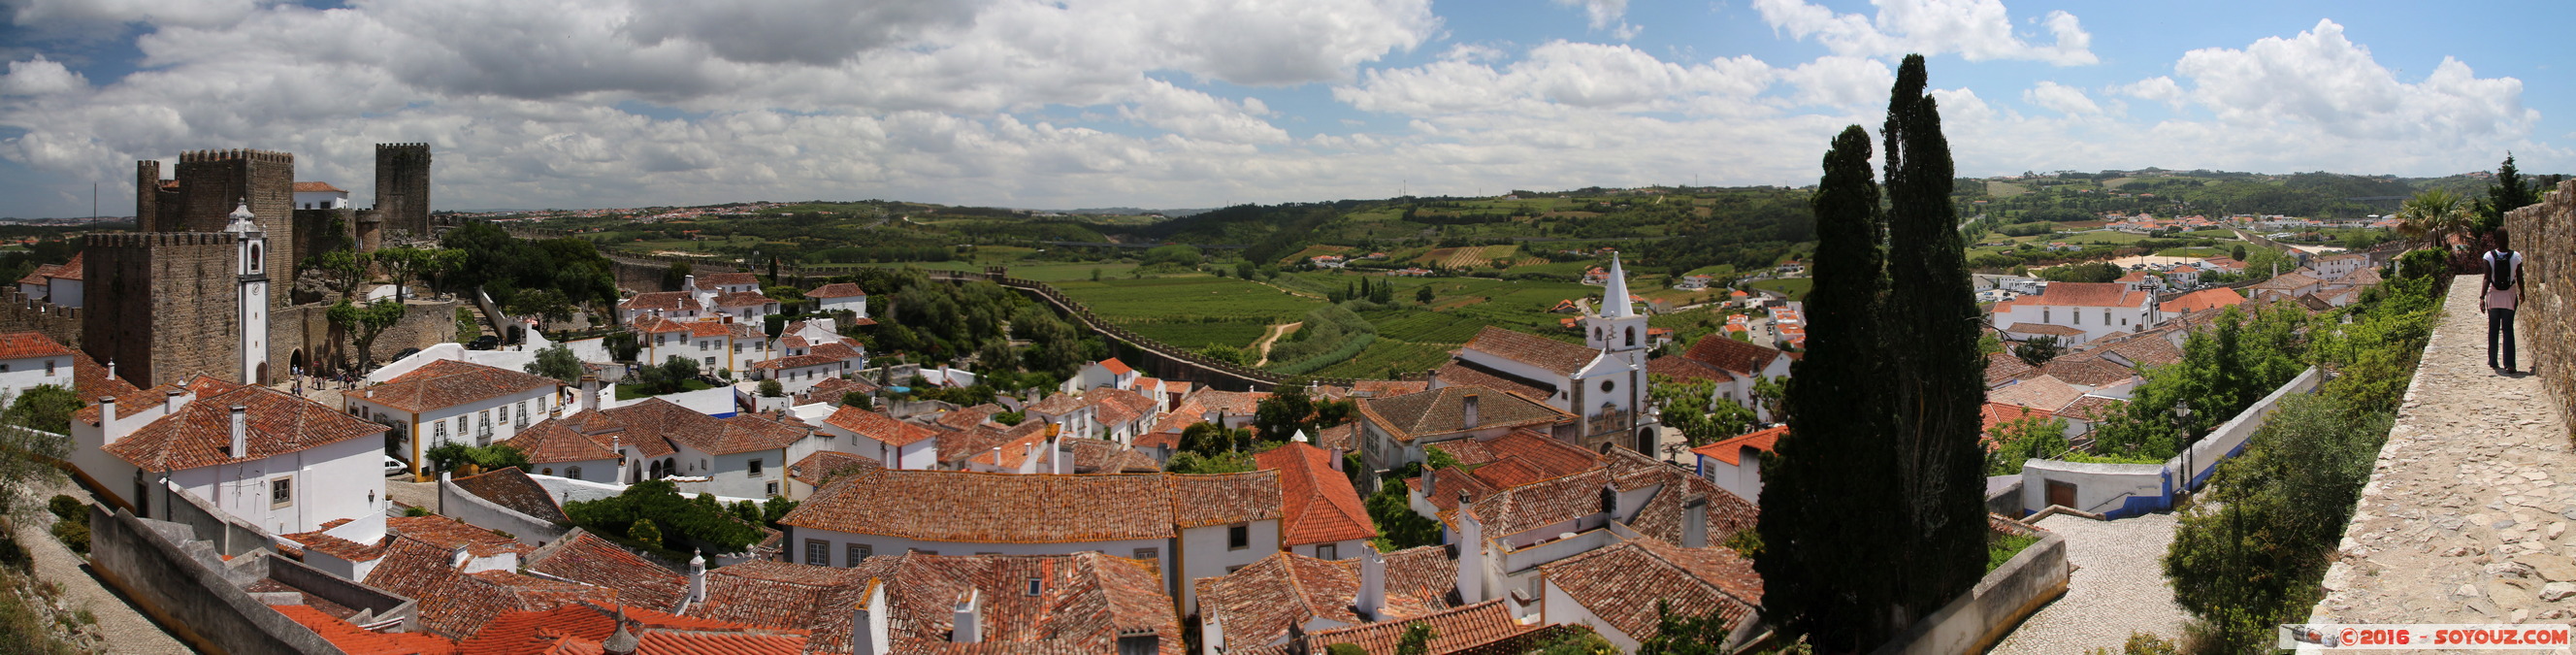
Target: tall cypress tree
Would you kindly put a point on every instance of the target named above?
(2508, 193)
(1825, 513)
(1938, 379)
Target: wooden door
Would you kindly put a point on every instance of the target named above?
(2061, 493)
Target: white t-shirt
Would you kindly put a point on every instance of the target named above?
(2504, 261)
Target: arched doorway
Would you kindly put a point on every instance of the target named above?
(263, 375)
(1646, 440)
(297, 360)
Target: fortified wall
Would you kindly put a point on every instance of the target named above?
(162, 305)
(19, 313)
(2542, 233)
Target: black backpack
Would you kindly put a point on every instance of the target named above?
(2500, 269)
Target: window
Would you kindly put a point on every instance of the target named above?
(523, 415)
(1238, 537)
(711, 361)
(2043, 314)
(1148, 554)
(2079, 317)
(1036, 585)
(574, 472)
(1605, 386)
(281, 492)
(818, 552)
(1328, 552)
(49, 367)
(546, 471)
(2106, 316)
(1231, 569)
(773, 489)
(438, 433)
(755, 466)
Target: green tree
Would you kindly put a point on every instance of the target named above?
(447, 456)
(47, 407)
(2237, 253)
(771, 389)
(858, 399)
(622, 345)
(2036, 351)
(643, 530)
(1694, 409)
(558, 362)
(2019, 440)
(2509, 192)
(1829, 473)
(365, 323)
(679, 368)
(676, 276)
(23, 456)
(1416, 640)
(2250, 560)
(547, 304)
(402, 263)
(1422, 294)
(1284, 413)
(1683, 634)
(1243, 269)
(466, 327)
(1932, 324)
(1222, 462)
(2434, 215)
(341, 270)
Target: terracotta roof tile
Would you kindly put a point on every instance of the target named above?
(1321, 505)
(712, 280)
(355, 640)
(1344, 437)
(667, 301)
(411, 568)
(837, 290)
(820, 467)
(1666, 512)
(2003, 367)
(585, 558)
(2093, 408)
(740, 433)
(1442, 411)
(24, 345)
(581, 627)
(278, 423)
(2087, 370)
(554, 441)
(2145, 350)
(448, 383)
(819, 600)
(875, 425)
(1463, 373)
(1104, 456)
(70, 270)
(2087, 294)
(1259, 603)
(795, 361)
(1452, 631)
(1086, 601)
(956, 506)
(472, 600)
(2043, 392)
(831, 389)
(1116, 367)
(448, 533)
(2200, 300)
(1622, 584)
(2045, 328)
(512, 488)
(1727, 354)
(1058, 404)
(317, 187)
(1731, 450)
(1547, 354)
(742, 299)
(1537, 505)
(1114, 406)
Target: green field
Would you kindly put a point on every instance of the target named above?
(1201, 334)
(1387, 358)
(1793, 287)
(2191, 252)
(1187, 297)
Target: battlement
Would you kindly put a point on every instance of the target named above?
(236, 154)
(157, 239)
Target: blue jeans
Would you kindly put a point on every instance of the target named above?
(2500, 322)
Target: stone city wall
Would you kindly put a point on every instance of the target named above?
(424, 323)
(19, 313)
(187, 586)
(2547, 340)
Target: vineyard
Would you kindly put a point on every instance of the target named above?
(1475, 256)
(1390, 358)
(1195, 335)
(1188, 298)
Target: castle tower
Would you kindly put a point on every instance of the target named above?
(250, 270)
(147, 195)
(402, 187)
(158, 300)
(212, 183)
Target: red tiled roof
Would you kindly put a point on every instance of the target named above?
(1442, 411)
(448, 533)
(2093, 408)
(2045, 328)
(1463, 629)
(25, 345)
(795, 361)
(1057, 404)
(470, 601)
(1114, 406)
(1116, 367)
(72, 269)
(742, 299)
(1321, 505)
(198, 435)
(1261, 601)
(1464, 373)
(957, 506)
(2202, 299)
(355, 640)
(1540, 452)
(837, 290)
(1997, 414)
(2004, 366)
(317, 187)
(555, 441)
(2042, 392)
(1731, 449)
(1103, 456)
(1545, 353)
(1623, 584)
(817, 468)
(817, 599)
(1540, 504)
(712, 280)
(1733, 356)
(2087, 294)
(873, 425)
(586, 558)
(449, 382)
(581, 627)
(662, 300)
(740, 433)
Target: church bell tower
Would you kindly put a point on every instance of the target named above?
(251, 272)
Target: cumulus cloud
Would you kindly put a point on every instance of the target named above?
(1605, 16)
(2158, 89)
(39, 76)
(1558, 73)
(1978, 30)
(2060, 98)
(1841, 81)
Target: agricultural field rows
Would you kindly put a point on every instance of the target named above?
(1188, 297)
(1201, 334)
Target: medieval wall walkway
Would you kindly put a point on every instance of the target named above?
(2466, 518)
(2118, 588)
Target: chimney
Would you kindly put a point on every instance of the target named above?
(107, 420)
(590, 393)
(241, 431)
(867, 636)
(1371, 601)
(623, 641)
(1431, 380)
(1337, 460)
(964, 628)
(111, 369)
(697, 578)
(997, 457)
(1471, 553)
(689, 283)
(1036, 447)
(170, 402)
(1467, 414)
(1063, 458)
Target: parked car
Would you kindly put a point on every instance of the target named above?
(393, 466)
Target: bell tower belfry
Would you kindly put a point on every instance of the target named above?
(251, 273)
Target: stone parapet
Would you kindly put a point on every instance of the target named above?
(2542, 233)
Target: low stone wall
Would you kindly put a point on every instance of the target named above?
(190, 590)
(2124, 490)
(2000, 600)
(373, 604)
(19, 313)
(219, 529)
(457, 503)
(2547, 340)
(424, 323)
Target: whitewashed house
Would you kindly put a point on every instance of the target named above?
(1735, 464)
(1735, 367)
(450, 401)
(893, 444)
(1394, 429)
(320, 195)
(31, 359)
(1104, 373)
(2092, 310)
(840, 297)
(1602, 381)
(266, 457)
(742, 456)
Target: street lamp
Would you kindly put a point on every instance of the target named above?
(2182, 418)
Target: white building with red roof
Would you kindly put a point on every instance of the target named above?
(1735, 367)
(1324, 518)
(892, 443)
(31, 359)
(1104, 373)
(840, 297)
(263, 456)
(59, 284)
(2078, 312)
(452, 401)
(320, 195)
(1602, 380)
(1735, 464)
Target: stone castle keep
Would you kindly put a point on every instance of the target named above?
(204, 285)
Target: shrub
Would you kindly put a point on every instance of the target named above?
(771, 389)
(67, 508)
(73, 534)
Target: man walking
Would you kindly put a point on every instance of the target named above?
(2501, 294)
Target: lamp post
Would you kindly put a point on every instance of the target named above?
(2182, 418)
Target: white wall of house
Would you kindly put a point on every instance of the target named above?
(321, 199)
(1205, 553)
(2096, 322)
(19, 375)
(1333, 550)
(797, 380)
(837, 546)
(441, 425)
(730, 474)
(342, 480)
(603, 471)
(1743, 478)
(857, 304)
(63, 292)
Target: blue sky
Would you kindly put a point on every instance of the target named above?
(1187, 103)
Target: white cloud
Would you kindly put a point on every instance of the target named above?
(1841, 81)
(2060, 98)
(39, 76)
(2158, 89)
(195, 13)
(1978, 30)
(1561, 74)
(1606, 15)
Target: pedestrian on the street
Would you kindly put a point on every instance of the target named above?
(2501, 294)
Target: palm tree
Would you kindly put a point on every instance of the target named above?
(2433, 215)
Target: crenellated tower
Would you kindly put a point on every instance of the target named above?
(402, 187)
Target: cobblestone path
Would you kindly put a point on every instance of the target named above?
(2466, 518)
(124, 629)
(2118, 588)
